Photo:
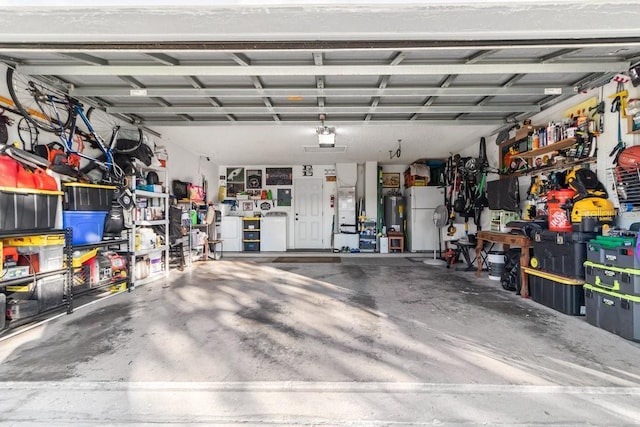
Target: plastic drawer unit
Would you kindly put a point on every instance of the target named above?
(613, 312)
(622, 280)
(563, 294)
(560, 253)
(251, 234)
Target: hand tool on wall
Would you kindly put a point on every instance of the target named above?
(616, 106)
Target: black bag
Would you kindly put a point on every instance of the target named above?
(143, 152)
(114, 223)
(510, 278)
(180, 189)
(504, 194)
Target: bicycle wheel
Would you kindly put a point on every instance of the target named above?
(47, 108)
(129, 137)
(27, 133)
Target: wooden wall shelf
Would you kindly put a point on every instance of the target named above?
(559, 145)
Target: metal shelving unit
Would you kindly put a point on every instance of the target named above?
(144, 217)
(115, 245)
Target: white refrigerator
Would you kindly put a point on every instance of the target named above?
(421, 202)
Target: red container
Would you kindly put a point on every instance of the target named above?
(558, 217)
(44, 181)
(24, 178)
(8, 171)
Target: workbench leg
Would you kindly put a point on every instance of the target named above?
(479, 246)
(524, 277)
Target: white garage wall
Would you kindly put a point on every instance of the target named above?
(329, 188)
(187, 166)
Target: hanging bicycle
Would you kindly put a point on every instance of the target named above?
(50, 109)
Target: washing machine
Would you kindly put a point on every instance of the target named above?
(273, 232)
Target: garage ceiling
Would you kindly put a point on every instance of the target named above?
(393, 72)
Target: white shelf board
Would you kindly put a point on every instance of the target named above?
(154, 222)
(148, 251)
(143, 193)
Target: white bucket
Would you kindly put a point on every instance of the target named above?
(496, 265)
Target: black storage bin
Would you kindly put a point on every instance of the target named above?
(562, 253)
(567, 298)
(28, 209)
(613, 312)
(87, 197)
(251, 235)
(251, 223)
(251, 246)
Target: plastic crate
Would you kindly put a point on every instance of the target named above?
(613, 312)
(87, 226)
(615, 252)
(562, 253)
(622, 280)
(24, 209)
(251, 235)
(251, 223)
(87, 197)
(50, 292)
(563, 294)
(49, 250)
(251, 246)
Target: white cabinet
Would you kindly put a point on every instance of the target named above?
(231, 233)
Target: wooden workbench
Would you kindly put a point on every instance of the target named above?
(507, 240)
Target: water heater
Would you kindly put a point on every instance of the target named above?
(394, 213)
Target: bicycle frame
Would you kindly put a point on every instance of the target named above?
(107, 150)
(67, 138)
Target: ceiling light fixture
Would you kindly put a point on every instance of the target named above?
(326, 134)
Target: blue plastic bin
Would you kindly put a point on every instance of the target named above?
(87, 226)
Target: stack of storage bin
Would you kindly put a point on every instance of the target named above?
(40, 254)
(557, 275)
(28, 200)
(85, 210)
(613, 285)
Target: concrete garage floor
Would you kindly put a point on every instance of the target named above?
(367, 341)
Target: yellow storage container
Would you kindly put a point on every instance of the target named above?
(40, 240)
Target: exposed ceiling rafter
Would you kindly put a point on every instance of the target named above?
(333, 70)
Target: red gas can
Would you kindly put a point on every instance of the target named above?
(8, 171)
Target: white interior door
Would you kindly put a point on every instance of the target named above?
(307, 201)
